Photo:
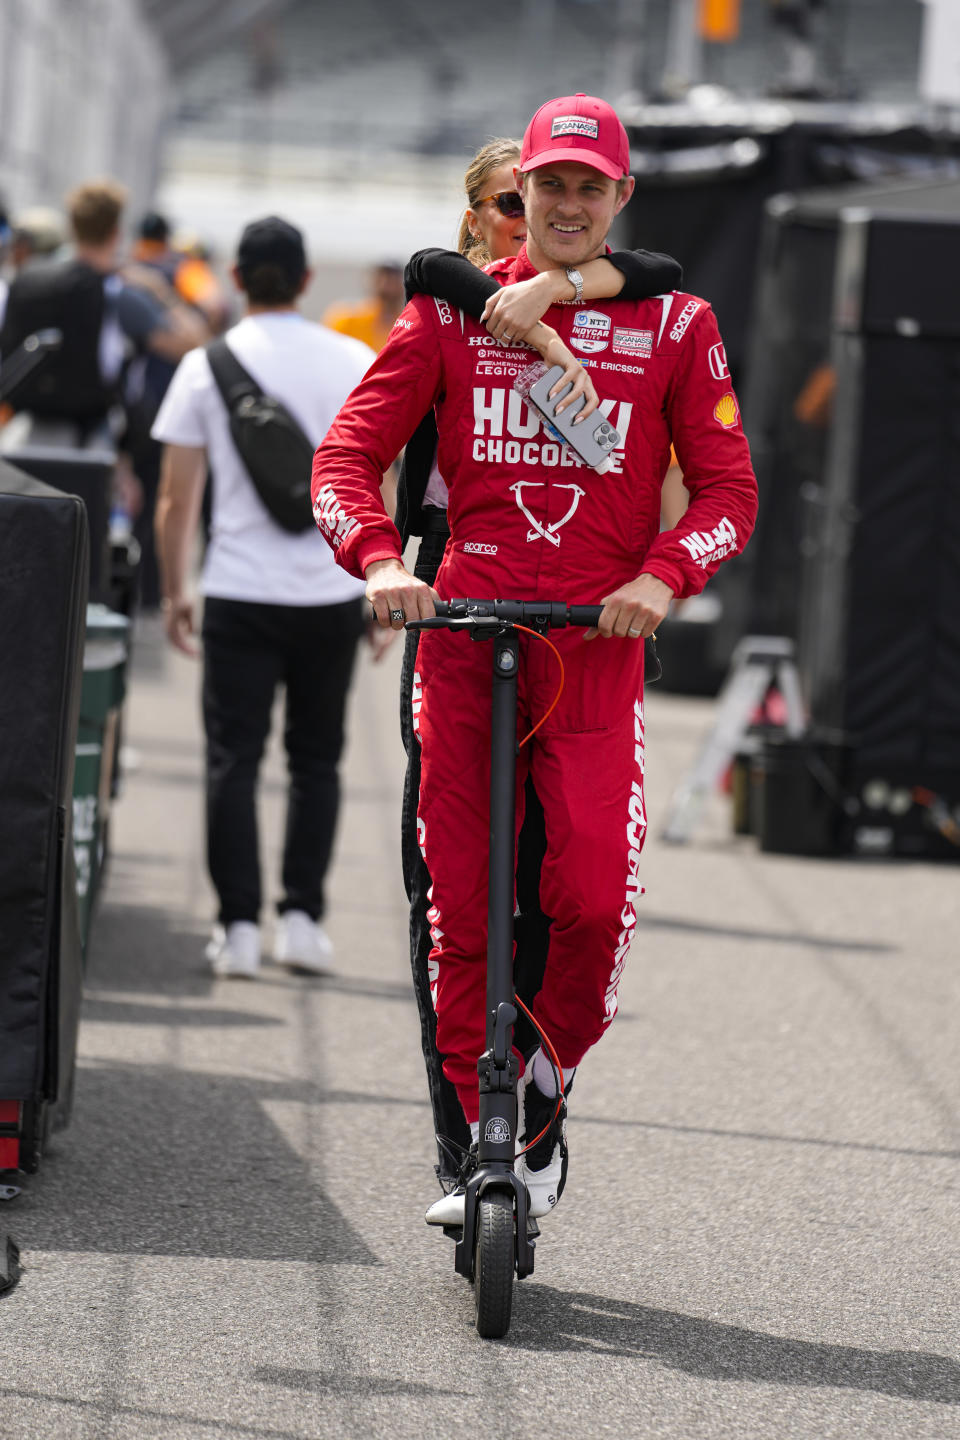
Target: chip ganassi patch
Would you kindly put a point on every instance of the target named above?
(726, 411)
(633, 342)
(574, 125)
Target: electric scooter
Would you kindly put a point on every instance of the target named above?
(498, 1235)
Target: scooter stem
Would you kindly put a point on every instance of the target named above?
(503, 794)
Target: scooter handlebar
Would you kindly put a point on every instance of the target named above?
(537, 614)
(484, 616)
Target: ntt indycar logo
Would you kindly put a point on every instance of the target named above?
(591, 331)
(508, 432)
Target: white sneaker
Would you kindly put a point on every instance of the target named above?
(235, 950)
(302, 943)
(450, 1209)
(544, 1184)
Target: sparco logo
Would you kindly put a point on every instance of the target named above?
(476, 547)
(683, 319)
(443, 310)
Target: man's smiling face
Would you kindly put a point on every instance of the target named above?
(570, 208)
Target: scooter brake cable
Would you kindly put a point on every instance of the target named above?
(557, 1072)
(553, 704)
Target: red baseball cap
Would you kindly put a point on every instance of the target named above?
(577, 127)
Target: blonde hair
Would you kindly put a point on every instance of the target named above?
(94, 210)
(487, 160)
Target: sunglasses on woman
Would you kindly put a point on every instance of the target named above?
(508, 202)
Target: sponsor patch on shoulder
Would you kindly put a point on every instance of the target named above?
(717, 356)
(574, 125)
(682, 321)
(726, 411)
(633, 342)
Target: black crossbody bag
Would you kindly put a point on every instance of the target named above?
(276, 453)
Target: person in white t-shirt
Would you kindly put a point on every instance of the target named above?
(277, 609)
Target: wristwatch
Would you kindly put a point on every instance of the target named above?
(576, 280)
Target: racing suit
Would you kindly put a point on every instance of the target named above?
(529, 521)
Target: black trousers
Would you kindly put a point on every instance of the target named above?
(248, 650)
(531, 926)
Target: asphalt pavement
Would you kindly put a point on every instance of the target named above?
(760, 1232)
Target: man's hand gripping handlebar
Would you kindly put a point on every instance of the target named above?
(396, 595)
(485, 617)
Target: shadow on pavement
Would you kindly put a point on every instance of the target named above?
(138, 949)
(161, 1161)
(330, 1383)
(568, 1322)
(766, 937)
(108, 1011)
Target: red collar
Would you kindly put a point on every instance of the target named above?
(521, 269)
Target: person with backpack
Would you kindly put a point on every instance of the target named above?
(102, 319)
(276, 609)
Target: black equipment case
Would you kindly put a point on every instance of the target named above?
(858, 550)
(62, 455)
(44, 568)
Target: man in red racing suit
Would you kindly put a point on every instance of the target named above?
(529, 521)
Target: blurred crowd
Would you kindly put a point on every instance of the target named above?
(125, 311)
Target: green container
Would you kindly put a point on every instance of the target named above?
(105, 654)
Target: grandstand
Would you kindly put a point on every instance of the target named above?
(373, 77)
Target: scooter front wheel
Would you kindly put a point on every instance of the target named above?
(494, 1264)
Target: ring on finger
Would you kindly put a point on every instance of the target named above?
(396, 616)
(633, 632)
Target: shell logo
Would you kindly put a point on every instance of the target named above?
(725, 411)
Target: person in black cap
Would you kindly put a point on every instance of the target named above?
(277, 610)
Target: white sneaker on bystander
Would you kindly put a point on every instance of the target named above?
(235, 951)
(302, 943)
